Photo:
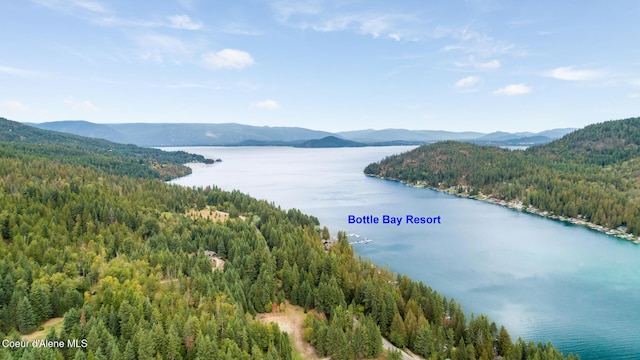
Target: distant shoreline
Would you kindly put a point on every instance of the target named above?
(517, 205)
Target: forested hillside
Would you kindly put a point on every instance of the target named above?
(115, 158)
(124, 264)
(592, 173)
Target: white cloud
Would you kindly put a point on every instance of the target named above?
(476, 43)
(388, 26)
(513, 89)
(15, 106)
(15, 71)
(92, 6)
(74, 5)
(570, 74)
(99, 14)
(383, 25)
(338, 23)
(184, 22)
(287, 9)
(325, 16)
(82, 106)
(489, 65)
(634, 96)
(266, 104)
(466, 82)
(227, 59)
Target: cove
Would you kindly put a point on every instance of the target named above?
(545, 280)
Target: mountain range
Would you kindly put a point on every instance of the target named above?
(174, 134)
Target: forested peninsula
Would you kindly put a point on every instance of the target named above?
(117, 159)
(101, 259)
(590, 176)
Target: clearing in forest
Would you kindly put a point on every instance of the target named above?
(40, 334)
(291, 322)
(209, 214)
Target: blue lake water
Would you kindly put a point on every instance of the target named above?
(544, 280)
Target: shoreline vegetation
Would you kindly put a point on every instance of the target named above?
(588, 177)
(518, 205)
(122, 257)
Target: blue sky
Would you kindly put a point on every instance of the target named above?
(477, 65)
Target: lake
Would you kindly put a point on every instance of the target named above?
(544, 280)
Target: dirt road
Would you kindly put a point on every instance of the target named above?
(291, 322)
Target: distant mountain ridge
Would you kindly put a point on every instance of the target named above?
(116, 158)
(174, 134)
(232, 134)
(87, 129)
(501, 136)
(371, 135)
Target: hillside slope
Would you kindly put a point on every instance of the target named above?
(122, 159)
(86, 129)
(122, 260)
(590, 174)
(329, 142)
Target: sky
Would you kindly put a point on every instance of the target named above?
(475, 65)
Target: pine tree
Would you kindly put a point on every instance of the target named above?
(504, 342)
(398, 334)
(461, 351)
(204, 347)
(113, 350)
(40, 303)
(129, 353)
(80, 355)
(374, 338)
(359, 342)
(394, 354)
(51, 334)
(423, 343)
(337, 341)
(174, 344)
(146, 348)
(26, 318)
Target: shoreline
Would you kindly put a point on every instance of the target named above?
(517, 205)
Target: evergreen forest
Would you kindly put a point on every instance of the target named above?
(95, 238)
(592, 173)
(115, 158)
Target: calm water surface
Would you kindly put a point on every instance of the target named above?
(544, 280)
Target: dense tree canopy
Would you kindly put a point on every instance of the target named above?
(591, 173)
(114, 158)
(121, 259)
